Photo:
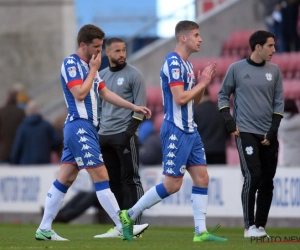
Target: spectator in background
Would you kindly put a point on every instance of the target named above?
(290, 15)
(10, 118)
(22, 97)
(35, 139)
(273, 21)
(289, 135)
(150, 144)
(212, 130)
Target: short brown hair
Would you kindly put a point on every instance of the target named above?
(88, 33)
(183, 26)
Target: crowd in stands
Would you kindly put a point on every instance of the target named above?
(25, 137)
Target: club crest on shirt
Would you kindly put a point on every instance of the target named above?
(72, 71)
(269, 76)
(249, 150)
(175, 73)
(120, 81)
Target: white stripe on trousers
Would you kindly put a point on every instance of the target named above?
(247, 181)
(136, 179)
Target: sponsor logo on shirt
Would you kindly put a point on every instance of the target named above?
(70, 61)
(83, 139)
(90, 162)
(172, 146)
(85, 147)
(81, 131)
(171, 155)
(173, 138)
(88, 155)
(174, 63)
(170, 171)
(170, 163)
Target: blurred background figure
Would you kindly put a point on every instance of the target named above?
(22, 96)
(290, 15)
(289, 135)
(35, 139)
(10, 118)
(273, 21)
(150, 144)
(212, 130)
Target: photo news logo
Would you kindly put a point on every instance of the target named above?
(275, 239)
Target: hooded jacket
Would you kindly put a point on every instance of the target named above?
(34, 142)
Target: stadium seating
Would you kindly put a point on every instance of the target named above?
(289, 64)
(222, 62)
(237, 44)
(291, 88)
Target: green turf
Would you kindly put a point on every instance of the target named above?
(19, 236)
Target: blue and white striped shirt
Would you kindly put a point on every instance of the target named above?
(175, 71)
(74, 71)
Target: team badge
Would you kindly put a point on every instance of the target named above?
(182, 169)
(249, 150)
(175, 73)
(72, 71)
(120, 81)
(269, 76)
(79, 161)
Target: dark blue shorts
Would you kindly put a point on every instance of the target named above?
(81, 145)
(180, 150)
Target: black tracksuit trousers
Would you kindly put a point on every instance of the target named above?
(258, 165)
(121, 159)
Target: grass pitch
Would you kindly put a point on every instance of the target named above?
(20, 236)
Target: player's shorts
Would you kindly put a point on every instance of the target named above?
(180, 150)
(81, 145)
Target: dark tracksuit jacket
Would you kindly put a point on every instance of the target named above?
(120, 153)
(257, 94)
